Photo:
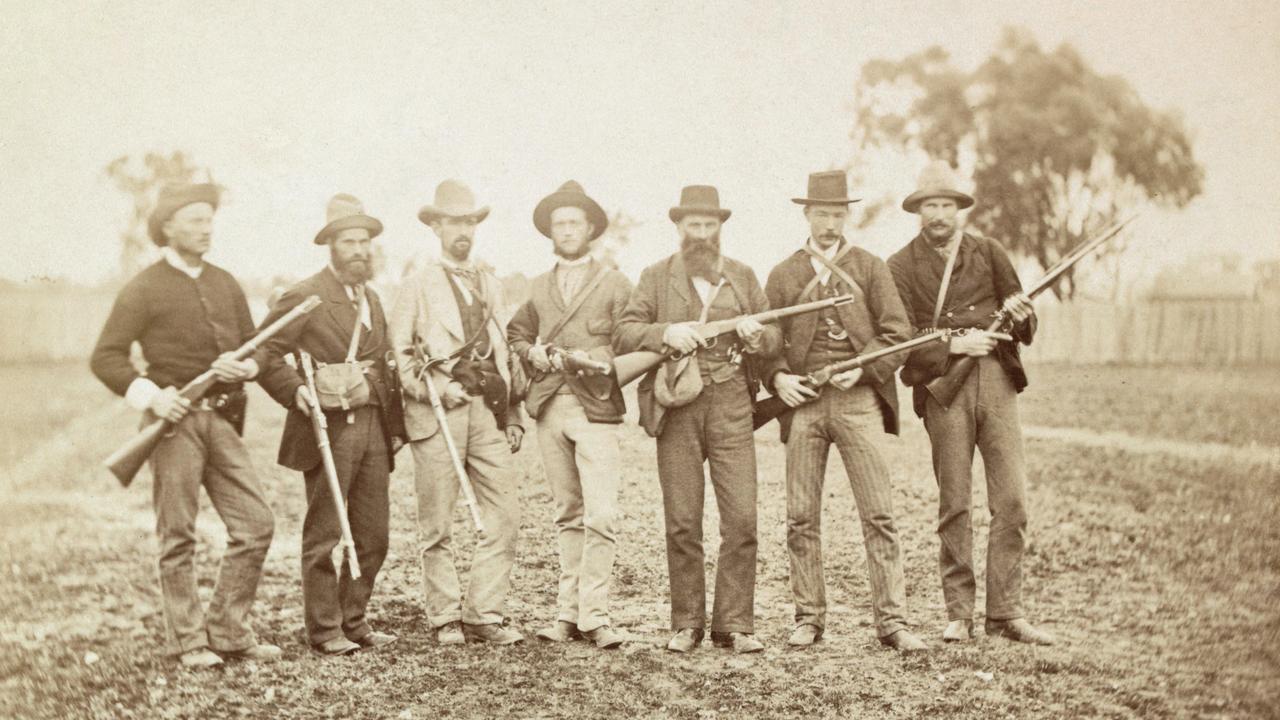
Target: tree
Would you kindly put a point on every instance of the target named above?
(142, 180)
(616, 237)
(1056, 151)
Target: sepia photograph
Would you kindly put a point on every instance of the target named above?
(640, 359)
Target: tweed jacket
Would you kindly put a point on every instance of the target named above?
(875, 320)
(664, 296)
(427, 311)
(590, 329)
(325, 333)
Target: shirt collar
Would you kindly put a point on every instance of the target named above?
(453, 265)
(561, 262)
(829, 253)
(172, 257)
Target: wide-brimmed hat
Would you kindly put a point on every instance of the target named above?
(699, 200)
(827, 188)
(453, 199)
(343, 213)
(936, 180)
(172, 198)
(570, 194)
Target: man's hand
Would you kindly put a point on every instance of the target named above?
(169, 405)
(976, 343)
(229, 370)
(452, 395)
(751, 332)
(792, 391)
(846, 379)
(1019, 307)
(538, 357)
(302, 400)
(515, 434)
(683, 337)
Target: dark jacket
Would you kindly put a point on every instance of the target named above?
(875, 319)
(325, 333)
(982, 278)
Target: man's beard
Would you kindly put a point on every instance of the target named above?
(353, 271)
(458, 250)
(939, 231)
(701, 257)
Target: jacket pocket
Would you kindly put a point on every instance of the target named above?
(600, 327)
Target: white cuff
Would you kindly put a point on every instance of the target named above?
(253, 373)
(140, 393)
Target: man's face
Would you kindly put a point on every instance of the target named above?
(699, 242)
(456, 236)
(938, 218)
(826, 223)
(189, 228)
(351, 252)
(571, 232)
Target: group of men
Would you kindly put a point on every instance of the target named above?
(447, 373)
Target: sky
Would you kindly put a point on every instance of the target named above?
(289, 104)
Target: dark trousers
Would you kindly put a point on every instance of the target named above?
(333, 603)
(714, 428)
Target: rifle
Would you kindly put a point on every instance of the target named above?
(634, 364)
(125, 462)
(320, 425)
(945, 387)
(577, 363)
(773, 406)
(426, 362)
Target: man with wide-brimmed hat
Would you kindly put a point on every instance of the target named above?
(453, 310)
(850, 412)
(187, 315)
(346, 340)
(952, 279)
(571, 313)
(700, 411)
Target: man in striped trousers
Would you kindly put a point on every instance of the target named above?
(847, 413)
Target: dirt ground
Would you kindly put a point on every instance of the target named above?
(1159, 572)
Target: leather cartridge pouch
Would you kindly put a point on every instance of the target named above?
(343, 386)
(679, 382)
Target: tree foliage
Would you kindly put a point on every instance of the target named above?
(142, 179)
(1056, 151)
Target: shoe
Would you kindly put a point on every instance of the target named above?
(904, 642)
(199, 659)
(334, 647)
(562, 631)
(260, 652)
(1018, 630)
(804, 635)
(492, 633)
(451, 634)
(685, 640)
(958, 631)
(375, 639)
(741, 642)
(604, 637)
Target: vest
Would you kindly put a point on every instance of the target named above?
(714, 362)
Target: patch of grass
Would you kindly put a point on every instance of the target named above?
(41, 398)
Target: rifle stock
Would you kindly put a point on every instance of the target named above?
(320, 427)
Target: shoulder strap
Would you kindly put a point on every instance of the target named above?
(574, 306)
(830, 265)
(946, 282)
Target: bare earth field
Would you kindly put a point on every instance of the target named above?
(1160, 574)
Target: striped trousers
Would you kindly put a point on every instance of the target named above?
(848, 419)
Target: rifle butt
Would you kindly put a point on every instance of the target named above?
(631, 366)
(944, 388)
(766, 410)
(129, 458)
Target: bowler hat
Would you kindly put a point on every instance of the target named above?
(453, 199)
(172, 198)
(343, 213)
(570, 194)
(937, 180)
(827, 188)
(698, 200)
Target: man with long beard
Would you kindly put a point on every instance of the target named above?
(572, 309)
(699, 409)
(347, 335)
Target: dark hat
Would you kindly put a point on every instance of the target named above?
(698, 200)
(343, 213)
(827, 188)
(936, 180)
(453, 199)
(570, 194)
(172, 198)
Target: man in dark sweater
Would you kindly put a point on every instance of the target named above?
(187, 315)
(572, 308)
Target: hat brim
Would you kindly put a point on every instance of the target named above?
(825, 201)
(373, 225)
(198, 193)
(912, 203)
(679, 212)
(430, 213)
(595, 214)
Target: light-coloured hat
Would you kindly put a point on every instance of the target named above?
(343, 213)
(936, 180)
(570, 194)
(453, 199)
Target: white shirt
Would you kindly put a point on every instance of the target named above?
(172, 257)
(570, 274)
(824, 273)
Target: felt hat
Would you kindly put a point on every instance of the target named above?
(172, 198)
(343, 213)
(570, 194)
(453, 199)
(827, 188)
(698, 200)
(937, 180)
